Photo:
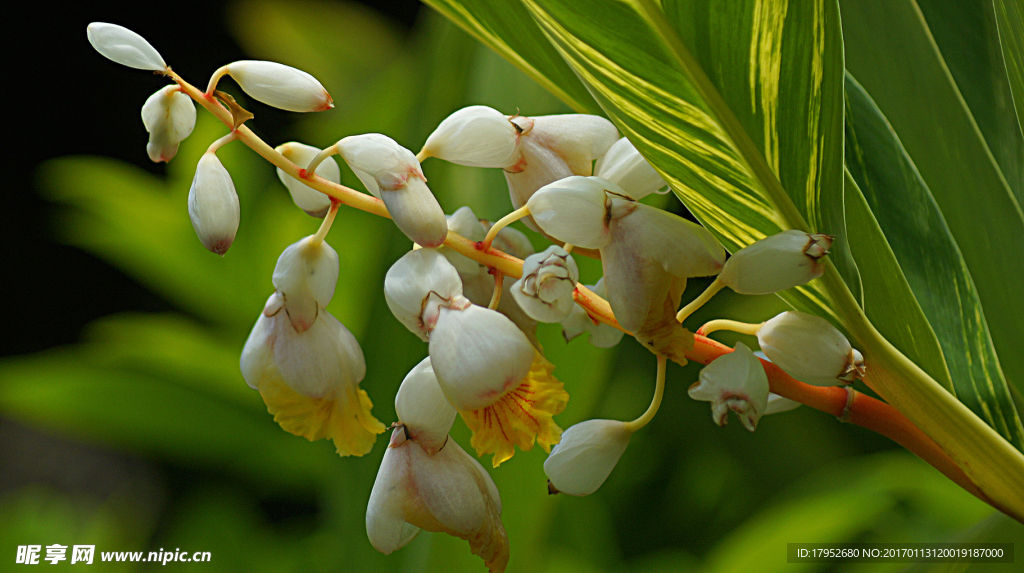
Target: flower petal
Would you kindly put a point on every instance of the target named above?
(478, 355)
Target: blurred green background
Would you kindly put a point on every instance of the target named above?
(142, 435)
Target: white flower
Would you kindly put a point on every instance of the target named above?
(546, 287)
(391, 173)
(314, 362)
(309, 379)
(479, 355)
(477, 136)
(306, 275)
(169, 117)
(280, 86)
(810, 349)
(579, 210)
(124, 47)
(448, 492)
(533, 151)
(623, 165)
(213, 204)
(554, 147)
(578, 322)
(306, 198)
(418, 285)
(737, 382)
(587, 454)
(776, 263)
(643, 249)
(423, 409)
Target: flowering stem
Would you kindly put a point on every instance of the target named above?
(220, 142)
(504, 222)
(731, 325)
(863, 410)
(499, 279)
(713, 288)
(659, 393)
(316, 161)
(214, 79)
(321, 233)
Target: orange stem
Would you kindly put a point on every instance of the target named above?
(851, 406)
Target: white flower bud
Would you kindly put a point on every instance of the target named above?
(280, 86)
(448, 492)
(423, 409)
(545, 290)
(391, 173)
(737, 382)
(578, 210)
(587, 454)
(623, 165)
(477, 136)
(417, 285)
(306, 198)
(306, 275)
(776, 263)
(478, 355)
(169, 117)
(810, 349)
(124, 47)
(213, 204)
(578, 322)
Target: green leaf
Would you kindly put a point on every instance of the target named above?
(659, 96)
(966, 34)
(506, 27)
(777, 66)
(1010, 19)
(888, 42)
(887, 291)
(930, 259)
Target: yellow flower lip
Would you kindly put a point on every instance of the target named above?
(520, 417)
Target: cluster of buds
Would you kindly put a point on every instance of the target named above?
(570, 177)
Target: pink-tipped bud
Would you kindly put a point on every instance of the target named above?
(776, 263)
(392, 173)
(477, 136)
(280, 86)
(810, 349)
(124, 47)
(169, 117)
(213, 204)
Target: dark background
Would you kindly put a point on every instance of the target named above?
(58, 87)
